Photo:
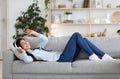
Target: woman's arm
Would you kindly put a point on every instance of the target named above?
(43, 38)
(23, 56)
(31, 32)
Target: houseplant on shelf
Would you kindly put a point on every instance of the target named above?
(46, 3)
(71, 3)
(31, 19)
(69, 15)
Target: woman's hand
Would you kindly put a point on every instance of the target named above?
(31, 32)
(19, 49)
(28, 32)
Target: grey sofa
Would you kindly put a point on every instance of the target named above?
(82, 68)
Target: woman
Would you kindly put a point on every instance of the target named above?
(75, 44)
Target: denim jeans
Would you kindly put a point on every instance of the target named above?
(75, 45)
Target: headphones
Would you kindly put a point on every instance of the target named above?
(14, 44)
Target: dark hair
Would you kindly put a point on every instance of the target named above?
(17, 42)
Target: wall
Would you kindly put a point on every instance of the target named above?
(14, 10)
(3, 27)
(0, 29)
(16, 6)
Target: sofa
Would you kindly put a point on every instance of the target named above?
(82, 68)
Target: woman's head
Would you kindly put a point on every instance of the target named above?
(22, 43)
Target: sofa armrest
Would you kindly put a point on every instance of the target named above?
(8, 58)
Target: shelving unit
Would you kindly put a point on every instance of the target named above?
(91, 18)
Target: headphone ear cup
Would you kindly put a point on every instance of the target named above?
(14, 44)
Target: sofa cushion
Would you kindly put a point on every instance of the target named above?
(79, 66)
(110, 45)
(57, 43)
(34, 41)
(87, 66)
(41, 67)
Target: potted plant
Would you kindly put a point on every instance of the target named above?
(71, 2)
(46, 3)
(69, 15)
(31, 19)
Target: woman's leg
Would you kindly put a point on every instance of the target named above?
(71, 50)
(85, 46)
(73, 47)
(96, 50)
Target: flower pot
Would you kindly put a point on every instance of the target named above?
(69, 17)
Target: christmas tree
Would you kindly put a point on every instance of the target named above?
(31, 19)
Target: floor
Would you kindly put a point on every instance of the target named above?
(0, 69)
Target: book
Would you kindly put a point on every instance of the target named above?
(86, 4)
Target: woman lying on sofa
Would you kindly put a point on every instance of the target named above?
(75, 44)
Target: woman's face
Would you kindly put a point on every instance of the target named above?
(25, 45)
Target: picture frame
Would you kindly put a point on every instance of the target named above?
(98, 3)
(56, 18)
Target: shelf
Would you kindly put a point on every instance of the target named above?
(54, 9)
(84, 24)
(88, 17)
(72, 23)
(106, 24)
(85, 9)
(104, 8)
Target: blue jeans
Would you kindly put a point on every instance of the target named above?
(75, 45)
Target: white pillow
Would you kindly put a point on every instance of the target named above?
(16, 53)
(34, 41)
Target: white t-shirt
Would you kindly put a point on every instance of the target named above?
(39, 54)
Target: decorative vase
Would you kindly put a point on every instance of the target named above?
(75, 5)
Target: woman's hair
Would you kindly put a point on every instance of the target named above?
(17, 42)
